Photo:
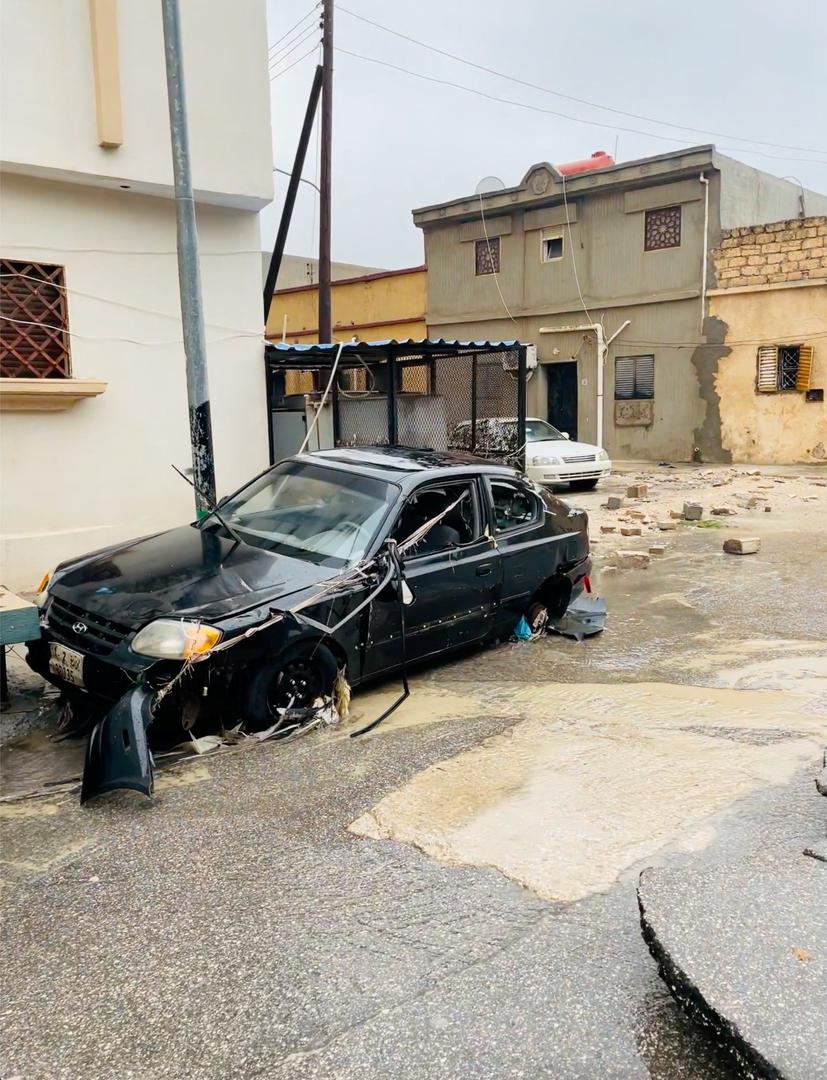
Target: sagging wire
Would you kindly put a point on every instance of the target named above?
(393, 559)
(491, 259)
(312, 427)
(352, 576)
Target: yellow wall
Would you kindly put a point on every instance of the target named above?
(375, 307)
(780, 428)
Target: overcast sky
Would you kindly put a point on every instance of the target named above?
(748, 68)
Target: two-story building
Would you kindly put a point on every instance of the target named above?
(607, 271)
(92, 368)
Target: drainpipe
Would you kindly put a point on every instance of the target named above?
(602, 353)
(705, 183)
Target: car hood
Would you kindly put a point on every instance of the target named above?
(184, 572)
(559, 448)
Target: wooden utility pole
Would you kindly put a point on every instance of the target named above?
(325, 310)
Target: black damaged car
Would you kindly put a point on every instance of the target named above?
(137, 613)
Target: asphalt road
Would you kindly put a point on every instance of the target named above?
(235, 927)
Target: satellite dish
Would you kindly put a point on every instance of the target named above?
(488, 184)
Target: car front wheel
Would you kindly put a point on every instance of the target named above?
(295, 679)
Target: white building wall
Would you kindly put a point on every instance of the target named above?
(47, 96)
(100, 472)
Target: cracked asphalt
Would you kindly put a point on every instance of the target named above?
(235, 928)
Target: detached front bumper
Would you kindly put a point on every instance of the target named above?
(565, 474)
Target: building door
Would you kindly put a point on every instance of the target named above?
(562, 396)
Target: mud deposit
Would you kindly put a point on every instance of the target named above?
(599, 777)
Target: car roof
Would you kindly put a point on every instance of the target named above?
(404, 464)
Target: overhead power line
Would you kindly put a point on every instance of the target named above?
(570, 97)
(313, 32)
(304, 56)
(303, 19)
(562, 116)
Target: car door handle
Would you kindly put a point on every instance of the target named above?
(484, 570)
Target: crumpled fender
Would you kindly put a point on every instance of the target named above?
(117, 754)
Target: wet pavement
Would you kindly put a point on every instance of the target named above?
(762, 988)
(243, 924)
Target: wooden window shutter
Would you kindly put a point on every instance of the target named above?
(805, 367)
(767, 380)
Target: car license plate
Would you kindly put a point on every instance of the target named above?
(66, 663)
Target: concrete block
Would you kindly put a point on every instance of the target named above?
(614, 502)
(742, 545)
(608, 528)
(637, 491)
(657, 549)
(676, 514)
(692, 511)
(633, 560)
(723, 511)
(631, 530)
(667, 526)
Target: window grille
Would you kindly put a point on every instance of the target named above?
(662, 228)
(634, 377)
(487, 255)
(34, 329)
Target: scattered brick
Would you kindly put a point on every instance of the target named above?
(742, 545)
(692, 511)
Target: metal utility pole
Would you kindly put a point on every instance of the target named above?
(189, 274)
(325, 311)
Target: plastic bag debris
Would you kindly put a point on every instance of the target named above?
(522, 631)
(585, 616)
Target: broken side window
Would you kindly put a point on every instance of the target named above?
(514, 505)
(461, 525)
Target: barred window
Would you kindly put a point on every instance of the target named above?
(783, 367)
(634, 377)
(34, 328)
(487, 255)
(662, 228)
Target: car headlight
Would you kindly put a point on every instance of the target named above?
(43, 589)
(174, 639)
(601, 455)
(542, 460)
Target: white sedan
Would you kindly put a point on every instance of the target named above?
(550, 455)
(552, 458)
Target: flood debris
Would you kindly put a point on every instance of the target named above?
(585, 616)
(692, 511)
(637, 491)
(742, 545)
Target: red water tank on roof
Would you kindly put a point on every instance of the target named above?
(599, 160)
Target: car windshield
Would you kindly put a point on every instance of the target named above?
(540, 431)
(311, 512)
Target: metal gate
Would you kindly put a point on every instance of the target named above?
(437, 395)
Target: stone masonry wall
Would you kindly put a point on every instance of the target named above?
(782, 251)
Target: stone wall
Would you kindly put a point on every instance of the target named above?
(782, 251)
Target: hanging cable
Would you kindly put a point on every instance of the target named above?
(312, 427)
(491, 260)
(274, 63)
(571, 248)
(279, 74)
(304, 18)
(559, 115)
(569, 97)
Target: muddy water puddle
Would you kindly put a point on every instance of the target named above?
(39, 762)
(597, 777)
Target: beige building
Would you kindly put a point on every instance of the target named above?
(607, 270)
(772, 301)
(93, 391)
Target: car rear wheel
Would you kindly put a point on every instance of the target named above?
(295, 679)
(583, 485)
